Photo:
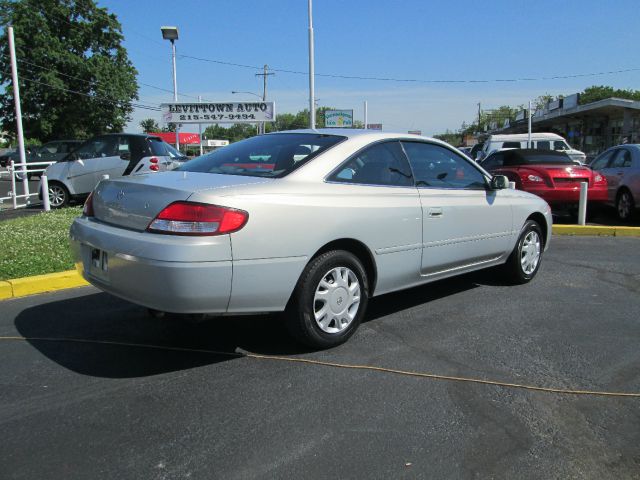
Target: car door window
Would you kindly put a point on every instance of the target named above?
(98, 148)
(438, 167)
(381, 164)
(603, 160)
(622, 159)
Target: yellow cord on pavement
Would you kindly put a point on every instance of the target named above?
(562, 391)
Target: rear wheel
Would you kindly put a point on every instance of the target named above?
(524, 261)
(329, 301)
(624, 205)
(58, 195)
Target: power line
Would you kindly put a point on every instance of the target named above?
(97, 97)
(414, 80)
(95, 82)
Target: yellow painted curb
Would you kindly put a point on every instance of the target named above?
(5, 290)
(21, 287)
(596, 230)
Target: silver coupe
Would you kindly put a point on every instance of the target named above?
(312, 223)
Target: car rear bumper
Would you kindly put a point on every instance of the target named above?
(163, 272)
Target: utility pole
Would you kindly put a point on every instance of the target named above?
(264, 89)
(478, 116)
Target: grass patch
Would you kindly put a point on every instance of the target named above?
(36, 244)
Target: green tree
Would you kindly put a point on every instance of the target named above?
(600, 92)
(76, 79)
(149, 125)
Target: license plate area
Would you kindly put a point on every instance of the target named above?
(99, 264)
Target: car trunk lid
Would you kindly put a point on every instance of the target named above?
(134, 202)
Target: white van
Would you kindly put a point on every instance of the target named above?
(541, 141)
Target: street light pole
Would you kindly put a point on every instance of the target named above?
(175, 89)
(312, 102)
(171, 34)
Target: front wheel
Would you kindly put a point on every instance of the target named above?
(329, 301)
(524, 261)
(624, 205)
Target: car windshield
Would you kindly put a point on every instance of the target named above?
(273, 155)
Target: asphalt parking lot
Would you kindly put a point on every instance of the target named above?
(85, 410)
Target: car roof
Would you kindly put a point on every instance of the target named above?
(531, 152)
(361, 132)
(524, 137)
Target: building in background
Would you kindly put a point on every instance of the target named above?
(591, 128)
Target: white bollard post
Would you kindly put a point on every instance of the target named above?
(512, 185)
(12, 175)
(45, 192)
(582, 206)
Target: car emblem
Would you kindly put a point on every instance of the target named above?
(339, 302)
(120, 195)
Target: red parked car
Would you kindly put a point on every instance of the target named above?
(549, 174)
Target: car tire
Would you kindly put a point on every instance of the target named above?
(625, 205)
(58, 195)
(329, 300)
(524, 262)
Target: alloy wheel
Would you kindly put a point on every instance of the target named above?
(57, 196)
(624, 206)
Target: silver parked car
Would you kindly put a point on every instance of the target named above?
(310, 222)
(116, 155)
(621, 167)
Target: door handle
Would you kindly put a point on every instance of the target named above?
(435, 212)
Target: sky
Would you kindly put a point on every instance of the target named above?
(424, 41)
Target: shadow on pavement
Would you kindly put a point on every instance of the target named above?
(102, 317)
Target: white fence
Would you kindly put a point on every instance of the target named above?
(19, 173)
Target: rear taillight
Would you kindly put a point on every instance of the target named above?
(187, 218)
(154, 164)
(87, 210)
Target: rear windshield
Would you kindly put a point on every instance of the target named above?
(163, 149)
(273, 155)
(538, 158)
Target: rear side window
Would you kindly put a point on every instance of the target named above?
(511, 145)
(381, 164)
(622, 159)
(163, 149)
(274, 155)
(543, 145)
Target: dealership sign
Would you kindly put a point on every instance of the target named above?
(208, 112)
(338, 118)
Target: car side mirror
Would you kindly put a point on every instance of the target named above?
(499, 182)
